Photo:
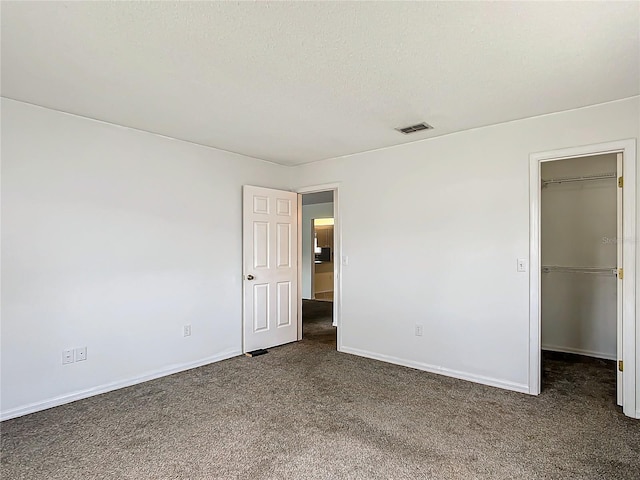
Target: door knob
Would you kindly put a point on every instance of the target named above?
(250, 277)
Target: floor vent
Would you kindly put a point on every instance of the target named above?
(256, 353)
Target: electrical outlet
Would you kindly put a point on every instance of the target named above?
(186, 331)
(419, 330)
(67, 356)
(81, 354)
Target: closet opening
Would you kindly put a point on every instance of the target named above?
(318, 268)
(581, 237)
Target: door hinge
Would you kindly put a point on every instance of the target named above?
(620, 274)
(621, 365)
(620, 182)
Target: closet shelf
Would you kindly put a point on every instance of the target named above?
(600, 176)
(587, 270)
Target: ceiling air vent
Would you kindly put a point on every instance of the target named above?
(414, 128)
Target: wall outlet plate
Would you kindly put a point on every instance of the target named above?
(81, 354)
(68, 356)
(186, 331)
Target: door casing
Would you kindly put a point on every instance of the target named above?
(630, 329)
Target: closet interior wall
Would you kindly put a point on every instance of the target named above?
(578, 229)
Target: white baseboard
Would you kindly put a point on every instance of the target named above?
(492, 382)
(108, 387)
(578, 351)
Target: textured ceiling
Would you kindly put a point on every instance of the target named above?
(294, 82)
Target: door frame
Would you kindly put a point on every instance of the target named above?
(337, 255)
(313, 253)
(630, 328)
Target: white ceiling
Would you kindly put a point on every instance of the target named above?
(294, 82)
(317, 197)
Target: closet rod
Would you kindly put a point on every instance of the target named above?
(601, 176)
(587, 270)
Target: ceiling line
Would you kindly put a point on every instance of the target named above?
(467, 130)
(321, 159)
(144, 131)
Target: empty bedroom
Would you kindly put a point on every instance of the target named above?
(319, 240)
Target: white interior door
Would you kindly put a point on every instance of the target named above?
(270, 258)
(619, 303)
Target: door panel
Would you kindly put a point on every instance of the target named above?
(270, 267)
(260, 204)
(283, 207)
(284, 304)
(260, 245)
(260, 307)
(284, 242)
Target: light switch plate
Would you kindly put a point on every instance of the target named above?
(522, 264)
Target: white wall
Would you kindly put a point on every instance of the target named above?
(114, 239)
(309, 212)
(578, 229)
(455, 211)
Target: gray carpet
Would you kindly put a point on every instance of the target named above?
(304, 411)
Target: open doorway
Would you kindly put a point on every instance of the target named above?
(322, 266)
(273, 266)
(570, 261)
(581, 295)
(318, 267)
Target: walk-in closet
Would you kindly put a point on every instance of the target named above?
(580, 257)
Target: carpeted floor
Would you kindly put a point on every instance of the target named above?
(305, 411)
(316, 323)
